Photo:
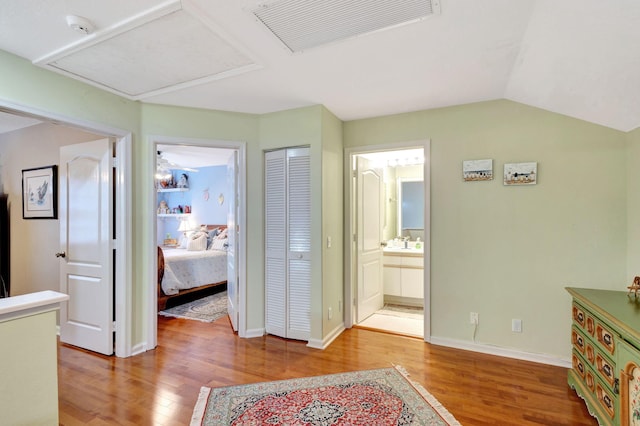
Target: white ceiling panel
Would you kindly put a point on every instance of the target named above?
(174, 50)
(317, 23)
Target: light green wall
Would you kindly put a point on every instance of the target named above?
(503, 252)
(199, 124)
(633, 205)
(302, 127)
(332, 221)
(508, 252)
(36, 89)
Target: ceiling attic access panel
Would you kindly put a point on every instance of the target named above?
(304, 24)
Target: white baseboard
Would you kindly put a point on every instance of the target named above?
(138, 349)
(329, 338)
(500, 351)
(253, 332)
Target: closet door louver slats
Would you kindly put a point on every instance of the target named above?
(275, 242)
(299, 195)
(288, 243)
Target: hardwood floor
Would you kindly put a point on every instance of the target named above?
(160, 387)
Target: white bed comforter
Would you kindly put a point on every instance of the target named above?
(185, 269)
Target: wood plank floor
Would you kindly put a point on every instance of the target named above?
(160, 387)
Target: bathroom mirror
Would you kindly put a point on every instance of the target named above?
(411, 208)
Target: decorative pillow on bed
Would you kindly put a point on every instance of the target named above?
(222, 234)
(211, 235)
(218, 244)
(185, 239)
(198, 242)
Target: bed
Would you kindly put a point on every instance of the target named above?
(184, 270)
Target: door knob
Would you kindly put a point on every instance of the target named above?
(61, 254)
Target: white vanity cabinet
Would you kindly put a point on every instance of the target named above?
(404, 273)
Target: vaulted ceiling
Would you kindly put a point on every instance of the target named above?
(575, 57)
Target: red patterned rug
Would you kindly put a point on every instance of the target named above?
(373, 397)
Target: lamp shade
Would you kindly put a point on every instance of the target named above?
(184, 225)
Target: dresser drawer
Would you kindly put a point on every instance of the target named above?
(579, 317)
(605, 338)
(577, 364)
(578, 340)
(590, 353)
(583, 319)
(590, 381)
(606, 399)
(606, 369)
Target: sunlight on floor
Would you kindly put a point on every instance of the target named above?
(396, 321)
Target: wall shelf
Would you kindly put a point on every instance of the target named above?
(174, 214)
(172, 189)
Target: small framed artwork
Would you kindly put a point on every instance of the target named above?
(40, 193)
(520, 173)
(477, 170)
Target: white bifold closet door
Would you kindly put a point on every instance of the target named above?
(288, 243)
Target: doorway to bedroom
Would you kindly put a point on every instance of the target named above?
(198, 210)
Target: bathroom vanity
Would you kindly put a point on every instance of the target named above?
(403, 271)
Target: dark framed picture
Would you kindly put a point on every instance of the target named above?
(40, 193)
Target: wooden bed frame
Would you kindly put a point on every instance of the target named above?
(164, 298)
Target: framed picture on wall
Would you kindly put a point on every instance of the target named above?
(477, 170)
(520, 173)
(40, 193)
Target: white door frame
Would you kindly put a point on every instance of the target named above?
(152, 287)
(350, 272)
(123, 199)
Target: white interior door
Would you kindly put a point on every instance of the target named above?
(288, 243)
(299, 236)
(275, 247)
(86, 259)
(232, 258)
(369, 185)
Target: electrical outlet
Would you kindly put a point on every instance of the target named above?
(516, 325)
(330, 312)
(473, 318)
(328, 242)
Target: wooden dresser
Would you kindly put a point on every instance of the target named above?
(605, 336)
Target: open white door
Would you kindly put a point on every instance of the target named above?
(369, 184)
(232, 258)
(86, 259)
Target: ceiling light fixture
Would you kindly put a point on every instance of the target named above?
(80, 24)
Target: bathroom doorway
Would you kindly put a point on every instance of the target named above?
(387, 273)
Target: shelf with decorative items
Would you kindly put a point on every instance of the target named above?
(176, 215)
(164, 210)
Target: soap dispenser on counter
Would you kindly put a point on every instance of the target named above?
(418, 243)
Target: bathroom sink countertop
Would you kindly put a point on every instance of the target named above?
(409, 250)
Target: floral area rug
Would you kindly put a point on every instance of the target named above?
(207, 309)
(374, 397)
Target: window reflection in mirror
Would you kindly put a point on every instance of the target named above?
(411, 208)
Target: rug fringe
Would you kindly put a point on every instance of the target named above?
(440, 409)
(164, 314)
(201, 405)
